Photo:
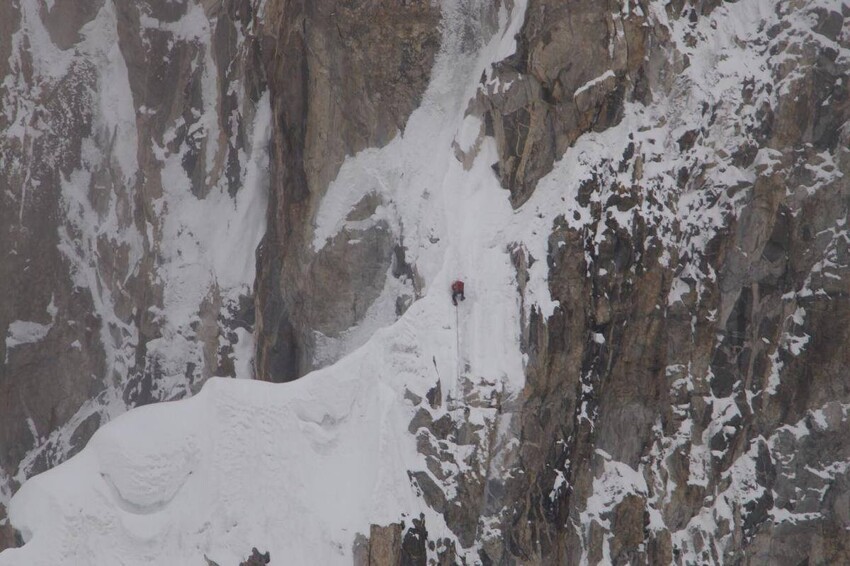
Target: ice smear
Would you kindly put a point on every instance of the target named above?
(468, 132)
(25, 332)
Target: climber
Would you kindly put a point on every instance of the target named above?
(457, 291)
(256, 559)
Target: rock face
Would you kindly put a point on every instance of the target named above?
(563, 84)
(345, 78)
(127, 132)
(686, 397)
(393, 544)
(689, 355)
(684, 401)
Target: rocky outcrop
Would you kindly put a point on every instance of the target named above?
(343, 77)
(560, 84)
(257, 558)
(398, 545)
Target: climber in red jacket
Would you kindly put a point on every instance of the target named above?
(457, 291)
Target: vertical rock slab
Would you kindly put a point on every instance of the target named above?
(343, 77)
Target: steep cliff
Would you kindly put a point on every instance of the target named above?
(343, 77)
(685, 399)
(648, 201)
(133, 182)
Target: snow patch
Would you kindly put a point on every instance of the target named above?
(25, 332)
(607, 75)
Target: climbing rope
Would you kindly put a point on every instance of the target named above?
(457, 348)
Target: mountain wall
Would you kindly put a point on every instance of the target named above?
(648, 201)
(132, 197)
(701, 321)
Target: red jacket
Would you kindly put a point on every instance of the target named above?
(457, 287)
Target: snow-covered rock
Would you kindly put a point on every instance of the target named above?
(647, 201)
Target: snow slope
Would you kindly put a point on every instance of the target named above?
(296, 469)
